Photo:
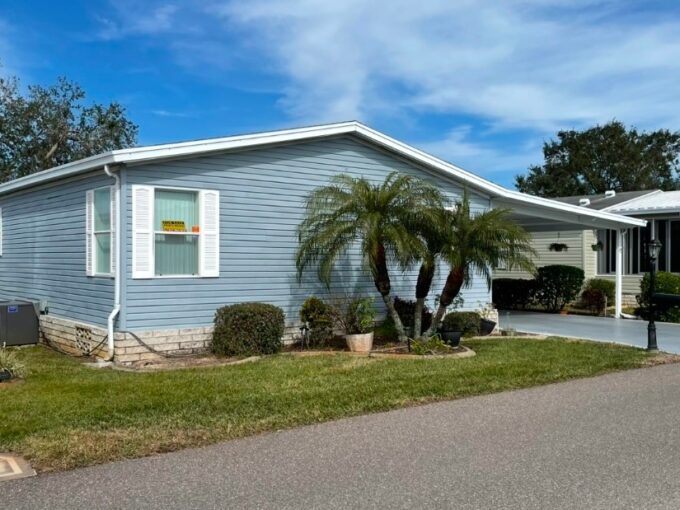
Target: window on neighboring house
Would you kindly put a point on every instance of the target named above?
(99, 232)
(675, 246)
(667, 232)
(176, 232)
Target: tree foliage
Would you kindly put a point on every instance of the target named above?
(607, 157)
(51, 126)
(384, 219)
(472, 243)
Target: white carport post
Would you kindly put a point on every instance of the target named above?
(620, 244)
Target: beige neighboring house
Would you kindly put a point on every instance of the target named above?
(595, 251)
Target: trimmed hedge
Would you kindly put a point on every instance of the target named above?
(513, 293)
(666, 283)
(248, 329)
(558, 285)
(468, 323)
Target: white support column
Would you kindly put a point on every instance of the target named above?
(620, 245)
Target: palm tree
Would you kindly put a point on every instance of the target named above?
(435, 236)
(383, 218)
(474, 244)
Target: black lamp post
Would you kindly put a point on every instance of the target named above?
(653, 249)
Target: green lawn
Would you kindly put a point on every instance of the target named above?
(65, 415)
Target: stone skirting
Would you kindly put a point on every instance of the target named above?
(78, 338)
(73, 337)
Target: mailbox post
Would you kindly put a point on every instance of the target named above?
(652, 252)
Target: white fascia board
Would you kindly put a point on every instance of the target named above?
(173, 150)
(493, 189)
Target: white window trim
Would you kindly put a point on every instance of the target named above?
(92, 234)
(2, 233)
(200, 234)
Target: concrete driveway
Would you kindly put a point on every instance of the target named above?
(603, 329)
(596, 443)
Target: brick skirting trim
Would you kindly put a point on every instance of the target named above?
(78, 338)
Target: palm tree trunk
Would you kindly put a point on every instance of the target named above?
(423, 285)
(454, 282)
(381, 279)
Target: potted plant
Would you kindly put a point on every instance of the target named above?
(450, 331)
(558, 247)
(598, 246)
(359, 321)
(486, 325)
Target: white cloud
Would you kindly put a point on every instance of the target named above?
(516, 63)
(520, 67)
(133, 18)
(461, 146)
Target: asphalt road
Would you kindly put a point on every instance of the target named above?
(600, 329)
(599, 443)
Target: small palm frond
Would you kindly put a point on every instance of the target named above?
(481, 241)
(388, 218)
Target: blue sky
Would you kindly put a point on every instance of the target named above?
(481, 84)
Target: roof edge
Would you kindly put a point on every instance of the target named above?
(197, 147)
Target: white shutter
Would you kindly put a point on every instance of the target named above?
(1, 232)
(89, 233)
(209, 245)
(114, 212)
(142, 232)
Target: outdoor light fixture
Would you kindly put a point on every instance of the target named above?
(653, 249)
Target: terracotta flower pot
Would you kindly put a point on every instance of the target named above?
(363, 342)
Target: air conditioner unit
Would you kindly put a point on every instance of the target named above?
(18, 323)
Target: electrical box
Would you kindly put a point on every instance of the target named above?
(18, 323)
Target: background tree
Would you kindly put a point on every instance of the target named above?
(50, 126)
(380, 217)
(603, 158)
(474, 243)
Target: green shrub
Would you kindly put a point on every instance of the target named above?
(594, 300)
(608, 287)
(10, 363)
(513, 293)
(558, 285)
(320, 318)
(666, 283)
(407, 313)
(358, 316)
(248, 329)
(468, 323)
(597, 294)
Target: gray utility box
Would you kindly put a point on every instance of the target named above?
(18, 323)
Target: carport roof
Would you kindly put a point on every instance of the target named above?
(533, 212)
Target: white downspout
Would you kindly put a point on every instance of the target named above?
(116, 274)
(620, 240)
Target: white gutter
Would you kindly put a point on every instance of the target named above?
(116, 273)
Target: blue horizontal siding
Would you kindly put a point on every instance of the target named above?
(44, 250)
(262, 196)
